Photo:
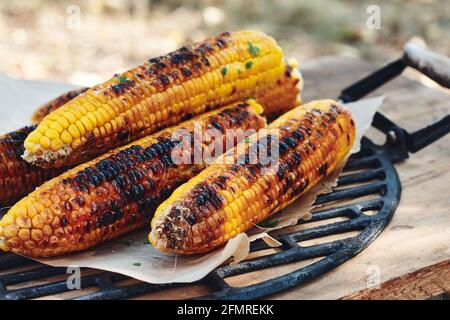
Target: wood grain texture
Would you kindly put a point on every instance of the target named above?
(422, 284)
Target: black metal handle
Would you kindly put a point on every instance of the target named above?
(373, 81)
(431, 64)
(423, 137)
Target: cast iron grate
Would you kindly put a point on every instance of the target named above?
(364, 200)
(370, 173)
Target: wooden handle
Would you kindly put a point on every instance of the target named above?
(431, 64)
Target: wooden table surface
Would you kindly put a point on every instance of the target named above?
(411, 258)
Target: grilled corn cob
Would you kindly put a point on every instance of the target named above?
(230, 197)
(162, 92)
(17, 177)
(54, 104)
(115, 193)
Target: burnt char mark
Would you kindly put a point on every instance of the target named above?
(120, 88)
(186, 71)
(287, 183)
(218, 126)
(311, 145)
(130, 174)
(64, 221)
(298, 135)
(204, 193)
(186, 116)
(299, 188)
(165, 80)
(123, 134)
(220, 181)
(18, 135)
(322, 170)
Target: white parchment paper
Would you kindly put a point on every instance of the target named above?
(131, 254)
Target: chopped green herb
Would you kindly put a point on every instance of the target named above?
(247, 140)
(224, 71)
(248, 64)
(268, 224)
(122, 79)
(137, 264)
(254, 51)
(146, 241)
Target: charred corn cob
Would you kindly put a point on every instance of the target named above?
(285, 95)
(54, 104)
(230, 196)
(117, 192)
(17, 177)
(162, 92)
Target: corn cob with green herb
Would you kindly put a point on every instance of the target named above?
(162, 92)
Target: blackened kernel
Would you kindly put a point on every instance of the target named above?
(289, 141)
(141, 157)
(79, 200)
(149, 185)
(123, 134)
(164, 79)
(280, 173)
(200, 199)
(311, 145)
(95, 180)
(154, 60)
(87, 227)
(160, 65)
(176, 58)
(165, 192)
(67, 206)
(137, 192)
(121, 181)
(167, 161)
(190, 218)
(64, 221)
(297, 158)
(287, 184)
(283, 147)
(99, 222)
(218, 126)
(107, 218)
(297, 134)
(323, 169)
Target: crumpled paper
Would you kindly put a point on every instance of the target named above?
(133, 256)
